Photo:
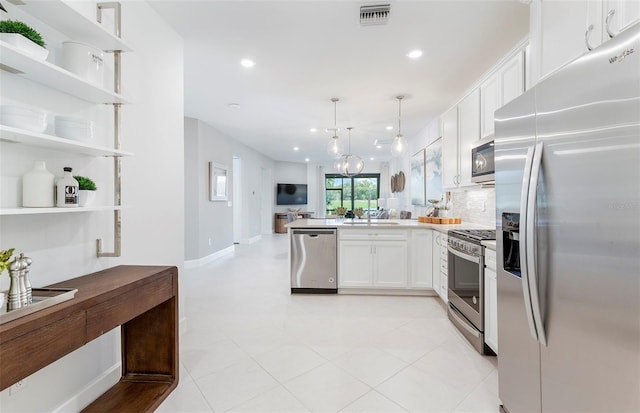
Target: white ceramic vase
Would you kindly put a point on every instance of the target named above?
(25, 45)
(38, 187)
(86, 197)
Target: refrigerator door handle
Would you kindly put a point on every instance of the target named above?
(531, 243)
(524, 201)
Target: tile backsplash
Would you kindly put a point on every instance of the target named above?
(476, 206)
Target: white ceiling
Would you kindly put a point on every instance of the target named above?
(307, 52)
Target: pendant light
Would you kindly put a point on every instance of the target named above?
(399, 144)
(335, 148)
(350, 165)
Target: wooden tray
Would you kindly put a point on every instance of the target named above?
(42, 298)
(439, 220)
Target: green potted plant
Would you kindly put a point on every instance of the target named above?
(24, 38)
(5, 260)
(87, 190)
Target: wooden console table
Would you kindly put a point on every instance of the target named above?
(281, 220)
(143, 300)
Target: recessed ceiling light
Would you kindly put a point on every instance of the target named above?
(389, 128)
(295, 148)
(234, 105)
(247, 63)
(414, 54)
(306, 159)
(312, 130)
(379, 146)
(372, 158)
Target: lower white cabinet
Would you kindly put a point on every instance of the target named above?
(422, 258)
(490, 300)
(440, 265)
(373, 259)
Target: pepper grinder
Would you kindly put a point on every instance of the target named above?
(13, 298)
(26, 261)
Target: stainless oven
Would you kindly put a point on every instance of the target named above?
(466, 283)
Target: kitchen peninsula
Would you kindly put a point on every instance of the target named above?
(389, 256)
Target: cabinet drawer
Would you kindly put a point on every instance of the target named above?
(368, 234)
(30, 352)
(444, 253)
(120, 309)
(444, 266)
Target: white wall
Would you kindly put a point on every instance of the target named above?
(63, 246)
(206, 220)
(291, 173)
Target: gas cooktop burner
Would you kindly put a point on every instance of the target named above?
(475, 234)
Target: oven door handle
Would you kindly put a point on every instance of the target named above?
(463, 255)
(460, 319)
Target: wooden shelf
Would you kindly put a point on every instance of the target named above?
(43, 211)
(15, 135)
(15, 61)
(136, 396)
(68, 21)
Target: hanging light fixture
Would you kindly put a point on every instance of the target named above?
(349, 165)
(335, 148)
(399, 144)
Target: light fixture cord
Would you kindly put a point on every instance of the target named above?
(399, 116)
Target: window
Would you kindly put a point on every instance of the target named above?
(351, 193)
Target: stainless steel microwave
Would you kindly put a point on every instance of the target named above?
(482, 161)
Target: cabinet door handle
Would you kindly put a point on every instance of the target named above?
(586, 37)
(608, 20)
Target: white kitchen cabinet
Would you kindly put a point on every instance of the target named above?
(490, 300)
(372, 259)
(440, 265)
(450, 148)
(503, 86)
(389, 264)
(355, 268)
(460, 128)
(561, 28)
(435, 264)
(421, 258)
(468, 133)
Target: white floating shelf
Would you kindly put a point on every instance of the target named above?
(15, 135)
(42, 211)
(71, 23)
(41, 71)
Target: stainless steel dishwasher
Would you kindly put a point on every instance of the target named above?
(313, 261)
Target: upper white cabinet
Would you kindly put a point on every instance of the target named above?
(460, 128)
(421, 258)
(450, 148)
(503, 86)
(562, 29)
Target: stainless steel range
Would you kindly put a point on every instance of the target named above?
(466, 284)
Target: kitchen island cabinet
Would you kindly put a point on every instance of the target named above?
(372, 258)
(142, 300)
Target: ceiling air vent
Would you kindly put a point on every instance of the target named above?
(371, 15)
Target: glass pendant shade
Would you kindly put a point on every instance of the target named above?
(335, 148)
(398, 146)
(352, 165)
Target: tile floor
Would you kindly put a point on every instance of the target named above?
(251, 346)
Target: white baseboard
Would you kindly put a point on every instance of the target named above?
(209, 258)
(255, 239)
(92, 390)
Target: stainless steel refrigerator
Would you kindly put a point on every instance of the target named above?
(567, 156)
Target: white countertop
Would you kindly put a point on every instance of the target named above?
(378, 224)
(489, 244)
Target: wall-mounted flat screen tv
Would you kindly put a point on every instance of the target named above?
(291, 194)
